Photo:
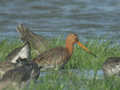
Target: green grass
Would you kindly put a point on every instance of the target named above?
(80, 61)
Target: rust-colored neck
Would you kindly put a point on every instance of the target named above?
(69, 47)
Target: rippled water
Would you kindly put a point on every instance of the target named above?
(88, 18)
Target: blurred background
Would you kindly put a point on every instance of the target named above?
(90, 19)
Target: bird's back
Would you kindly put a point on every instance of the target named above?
(53, 58)
(18, 74)
(22, 75)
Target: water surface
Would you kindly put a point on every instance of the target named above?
(88, 18)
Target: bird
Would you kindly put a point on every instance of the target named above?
(56, 58)
(13, 57)
(20, 76)
(111, 67)
(20, 52)
(37, 42)
(6, 66)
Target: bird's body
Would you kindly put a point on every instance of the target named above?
(112, 66)
(21, 75)
(59, 56)
(13, 57)
(54, 58)
(6, 66)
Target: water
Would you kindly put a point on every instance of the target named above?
(71, 78)
(88, 18)
(88, 74)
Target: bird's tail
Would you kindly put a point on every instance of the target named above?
(21, 29)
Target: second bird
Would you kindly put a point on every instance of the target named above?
(57, 57)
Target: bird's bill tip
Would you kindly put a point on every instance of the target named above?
(85, 48)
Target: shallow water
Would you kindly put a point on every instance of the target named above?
(88, 18)
(70, 79)
(88, 74)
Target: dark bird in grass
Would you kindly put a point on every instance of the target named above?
(38, 42)
(13, 57)
(20, 76)
(111, 66)
(20, 52)
(57, 57)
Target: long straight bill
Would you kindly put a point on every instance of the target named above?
(85, 48)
